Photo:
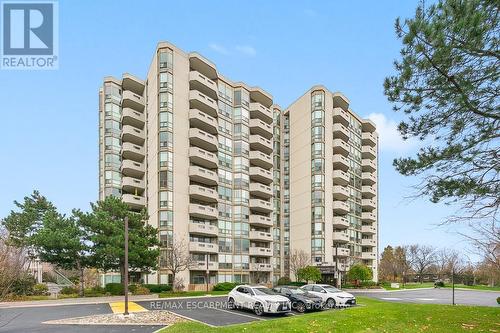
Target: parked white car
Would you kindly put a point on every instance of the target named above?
(259, 299)
(330, 295)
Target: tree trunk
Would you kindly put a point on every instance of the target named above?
(82, 285)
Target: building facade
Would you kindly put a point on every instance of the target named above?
(213, 160)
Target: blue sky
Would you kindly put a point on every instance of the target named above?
(50, 139)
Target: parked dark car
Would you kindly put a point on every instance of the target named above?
(301, 300)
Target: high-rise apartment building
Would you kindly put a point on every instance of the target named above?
(222, 171)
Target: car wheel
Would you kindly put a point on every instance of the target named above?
(300, 307)
(330, 303)
(258, 309)
(230, 304)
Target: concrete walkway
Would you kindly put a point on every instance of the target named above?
(74, 301)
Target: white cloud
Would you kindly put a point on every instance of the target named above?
(389, 137)
(246, 50)
(218, 48)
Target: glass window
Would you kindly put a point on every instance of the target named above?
(166, 159)
(166, 139)
(166, 100)
(166, 199)
(112, 143)
(166, 80)
(166, 58)
(166, 218)
(166, 120)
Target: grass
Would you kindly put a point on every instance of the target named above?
(477, 287)
(411, 285)
(371, 316)
(190, 293)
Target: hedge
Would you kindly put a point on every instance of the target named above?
(158, 288)
(225, 286)
(115, 289)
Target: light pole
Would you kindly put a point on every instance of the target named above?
(453, 285)
(207, 272)
(126, 266)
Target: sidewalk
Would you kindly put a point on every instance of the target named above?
(75, 301)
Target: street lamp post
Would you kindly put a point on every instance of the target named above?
(207, 271)
(126, 266)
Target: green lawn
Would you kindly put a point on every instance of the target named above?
(478, 287)
(411, 285)
(370, 316)
(191, 293)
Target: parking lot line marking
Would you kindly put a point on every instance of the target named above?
(119, 307)
(240, 314)
(391, 298)
(426, 299)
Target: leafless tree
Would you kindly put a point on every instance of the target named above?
(445, 261)
(298, 259)
(420, 258)
(13, 264)
(178, 258)
(485, 240)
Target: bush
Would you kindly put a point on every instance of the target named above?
(69, 290)
(284, 280)
(139, 290)
(225, 286)
(439, 284)
(23, 285)
(95, 292)
(115, 289)
(40, 289)
(158, 288)
(498, 300)
(297, 283)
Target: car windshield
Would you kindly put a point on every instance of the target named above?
(263, 291)
(297, 291)
(331, 289)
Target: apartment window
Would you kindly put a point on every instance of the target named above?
(112, 160)
(318, 149)
(241, 196)
(112, 143)
(241, 115)
(166, 199)
(166, 159)
(242, 97)
(317, 213)
(166, 218)
(225, 109)
(224, 210)
(166, 59)
(318, 229)
(112, 92)
(241, 131)
(112, 178)
(166, 139)
(225, 245)
(225, 193)
(112, 127)
(225, 160)
(166, 179)
(318, 197)
(241, 229)
(225, 91)
(241, 164)
(318, 181)
(241, 180)
(225, 143)
(225, 262)
(318, 100)
(225, 127)
(318, 133)
(318, 166)
(241, 147)
(112, 110)
(166, 81)
(317, 245)
(166, 100)
(166, 120)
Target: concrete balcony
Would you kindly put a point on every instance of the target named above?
(260, 143)
(340, 147)
(203, 158)
(132, 169)
(261, 190)
(260, 236)
(341, 252)
(340, 177)
(133, 135)
(259, 111)
(260, 159)
(340, 222)
(202, 102)
(203, 229)
(340, 162)
(260, 221)
(132, 101)
(130, 184)
(369, 139)
(202, 193)
(368, 165)
(259, 127)
(368, 204)
(260, 251)
(202, 139)
(340, 132)
(340, 192)
(203, 121)
(203, 247)
(368, 256)
(133, 152)
(340, 116)
(134, 201)
(368, 229)
(261, 206)
(368, 242)
(202, 175)
(203, 212)
(261, 175)
(368, 217)
(368, 178)
(341, 207)
(201, 265)
(132, 83)
(340, 237)
(133, 118)
(261, 267)
(203, 84)
(368, 125)
(368, 152)
(368, 191)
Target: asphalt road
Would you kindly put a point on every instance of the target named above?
(435, 296)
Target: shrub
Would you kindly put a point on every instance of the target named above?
(139, 290)
(158, 288)
(23, 285)
(115, 289)
(40, 289)
(225, 286)
(69, 290)
(498, 300)
(439, 284)
(284, 280)
(297, 283)
(95, 292)
(309, 273)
